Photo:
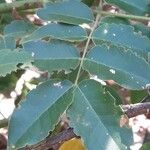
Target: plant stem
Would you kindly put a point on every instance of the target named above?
(20, 5)
(87, 44)
(133, 17)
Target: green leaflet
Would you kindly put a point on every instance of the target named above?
(136, 7)
(145, 146)
(94, 117)
(8, 82)
(53, 56)
(10, 42)
(122, 36)
(137, 96)
(70, 12)
(88, 2)
(58, 31)
(5, 19)
(2, 43)
(127, 69)
(7, 42)
(19, 28)
(143, 29)
(117, 97)
(10, 59)
(116, 20)
(35, 117)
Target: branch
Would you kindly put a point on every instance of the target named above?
(20, 5)
(133, 110)
(51, 141)
(3, 123)
(133, 17)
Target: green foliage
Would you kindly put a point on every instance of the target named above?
(116, 20)
(112, 49)
(19, 28)
(119, 35)
(2, 1)
(10, 59)
(139, 27)
(8, 82)
(58, 31)
(66, 12)
(7, 42)
(90, 117)
(137, 96)
(125, 73)
(53, 97)
(54, 56)
(5, 19)
(146, 146)
(136, 7)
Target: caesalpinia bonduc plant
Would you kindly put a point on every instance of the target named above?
(79, 61)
